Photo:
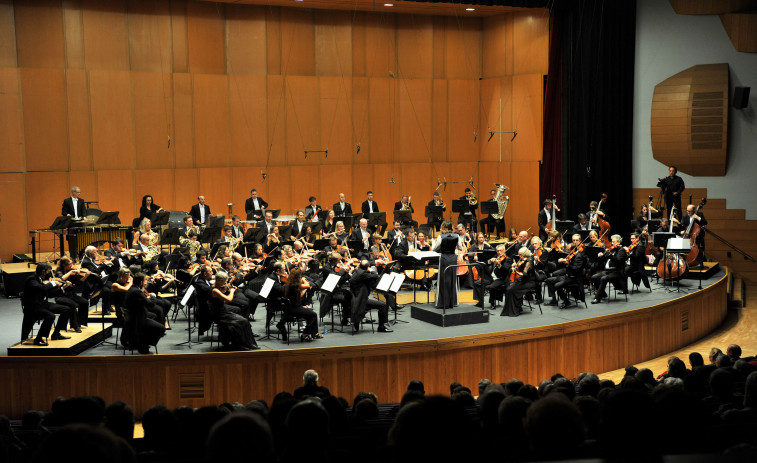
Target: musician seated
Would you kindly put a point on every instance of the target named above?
(341, 232)
(186, 226)
(308, 238)
(411, 242)
(644, 213)
(141, 331)
(405, 205)
(614, 262)
(468, 215)
(273, 240)
(267, 222)
(333, 245)
(398, 245)
(68, 296)
(493, 278)
(329, 224)
(145, 228)
(36, 307)
(489, 224)
(697, 218)
(636, 261)
(200, 211)
(99, 283)
(436, 222)
(583, 223)
(145, 250)
(363, 234)
(298, 224)
(237, 228)
(362, 283)
(222, 253)
(569, 274)
(312, 209)
(121, 257)
(341, 294)
(342, 208)
(227, 234)
(520, 242)
(148, 208)
(423, 244)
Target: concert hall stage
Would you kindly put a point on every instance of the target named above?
(600, 337)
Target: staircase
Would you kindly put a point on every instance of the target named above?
(730, 224)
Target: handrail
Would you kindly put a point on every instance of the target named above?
(727, 243)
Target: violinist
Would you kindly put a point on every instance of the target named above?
(545, 217)
(636, 261)
(341, 294)
(554, 241)
(521, 282)
(68, 297)
(493, 278)
(233, 329)
(583, 223)
(137, 302)
(185, 272)
(240, 303)
(594, 242)
(35, 299)
(295, 290)
(159, 282)
(222, 253)
(121, 257)
(342, 208)
(245, 273)
(479, 246)
(436, 222)
(341, 233)
(422, 243)
(542, 268)
(614, 263)
(521, 242)
(593, 211)
(99, 282)
(362, 282)
(644, 210)
(119, 288)
(273, 240)
(329, 223)
(333, 245)
(570, 272)
(377, 260)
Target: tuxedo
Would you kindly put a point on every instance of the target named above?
(361, 285)
(545, 217)
(269, 226)
(195, 212)
(342, 211)
(310, 212)
(237, 231)
(37, 307)
(298, 228)
(613, 271)
(468, 216)
(252, 211)
(357, 235)
(367, 210)
(68, 208)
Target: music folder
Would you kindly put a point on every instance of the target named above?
(330, 284)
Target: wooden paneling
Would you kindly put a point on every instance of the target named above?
(337, 179)
(596, 344)
(530, 50)
(243, 179)
(79, 133)
(152, 115)
(12, 128)
(211, 120)
(245, 40)
(39, 34)
(527, 111)
(111, 110)
(106, 45)
(333, 44)
(87, 183)
(297, 42)
(13, 225)
(179, 45)
(186, 183)
(524, 183)
(205, 38)
(440, 121)
(277, 120)
(115, 190)
(273, 40)
(303, 124)
(183, 117)
(360, 119)
(45, 192)
(742, 30)
(74, 36)
(382, 120)
(496, 115)
(415, 40)
(418, 182)
(215, 185)
(463, 119)
(159, 183)
(7, 35)
(497, 54)
(463, 47)
(150, 36)
(247, 98)
(336, 123)
(415, 120)
(380, 46)
(44, 108)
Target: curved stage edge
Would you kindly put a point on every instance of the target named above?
(598, 344)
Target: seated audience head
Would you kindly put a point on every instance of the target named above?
(241, 436)
(734, 352)
(714, 352)
(695, 360)
(750, 391)
(119, 418)
(482, 385)
(554, 427)
(310, 378)
(91, 444)
(417, 386)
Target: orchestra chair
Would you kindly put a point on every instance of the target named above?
(533, 293)
(570, 290)
(28, 321)
(131, 331)
(285, 305)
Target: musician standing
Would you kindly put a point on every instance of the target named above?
(468, 215)
(447, 244)
(545, 217)
(312, 209)
(254, 206)
(436, 222)
(697, 218)
(74, 205)
(200, 211)
(405, 205)
(369, 207)
(342, 208)
(673, 187)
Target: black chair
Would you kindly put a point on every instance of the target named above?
(536, 291)
(288, 319)
(132, 332)
(28, 321)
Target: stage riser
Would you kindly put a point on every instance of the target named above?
(78, 343)
(453, 317)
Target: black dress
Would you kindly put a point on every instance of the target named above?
(233, 329)
(517, 289)
(446, 295)
(141, 331)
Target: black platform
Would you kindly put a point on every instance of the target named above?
(461, 315)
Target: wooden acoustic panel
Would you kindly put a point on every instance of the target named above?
(742, 30)
(598, 344)
(689, 120)
(698, 7)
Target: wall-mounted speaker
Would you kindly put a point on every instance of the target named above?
(741, 97)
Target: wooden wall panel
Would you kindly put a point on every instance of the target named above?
(439, 121)
(497, 52)
(333, 44)
(277, 110)
(45, 192)
(179, 45)
(303, 184)
(419, 183)
(380, 46)
(211, 120)
(360, 119)
(14, 222)
(12, 128)
(525, 181)
(303, 124)
(186, 182)
(44, 109)
(205, 38)
(7, 35)
(152, 116)
(115, 190)
(111, 109)
(159, 183)
(382, 119)
(78, 120)
(439, 48)
(528, 104)
(359, 57)
(283, 197)
(215, 185)
(248, 121)
(74, 37)
(496, 113)
(463, 100)
(463, 46)
(297, 42)
(415, 41)
(245, 39)
(150, 36)
(337, 179)
(530, 48)
(243, 179)
(183, 120)
(414, 125)
(273, 40)
(106, 44)
(39, 34)
(336, 123)
(385, 193)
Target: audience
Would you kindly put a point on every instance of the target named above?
(587, 417)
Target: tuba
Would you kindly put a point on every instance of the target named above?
(502, 201)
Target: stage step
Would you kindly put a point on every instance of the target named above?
(95, 316)
(737, 295)
(705, 271)
(460, 315)
(405, 297)
(79, 342)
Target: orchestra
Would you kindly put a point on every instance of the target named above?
(317, 242)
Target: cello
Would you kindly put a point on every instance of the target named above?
(692, 232)
(672, 266)
(604, 226)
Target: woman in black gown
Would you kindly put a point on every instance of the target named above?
(233, 329)
(141, 331)
(148, 208)
(447, 243)
(521, 281)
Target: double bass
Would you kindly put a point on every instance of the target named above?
(604, 226)
(552, 223)
(673, 266)
(692, 232)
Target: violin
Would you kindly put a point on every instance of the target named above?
(517, 269)
(573, 252)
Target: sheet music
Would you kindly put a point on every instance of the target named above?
(421, 255)
(330, 284)
(385, 282)
(187, 295)
(397, 282)
(267, 286)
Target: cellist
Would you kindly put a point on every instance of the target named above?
(698, 219)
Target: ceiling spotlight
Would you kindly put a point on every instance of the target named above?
(388, 4)
(470, 9)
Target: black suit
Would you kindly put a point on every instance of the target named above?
(702, 222)
(269, 228)
(37, 307)
(674, 184)
(298, 228)
(543, 221)
(195, 213)
(612, 271)
(635, 269)
(361, 285)
(411, 222)
(438, 221)
(466, 219)
(357, 235)
(382, 226)
(254, 213)
(310, 212)
(237, 232)
(339, 211)
(68, 208)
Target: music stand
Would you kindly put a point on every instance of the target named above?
(274, 212)
(215, 222)
(489, 207)
(584, 235)
(322, 214)
(356, 246)
(255, 235)
(158, 219)
(62, 222)
(593, 252)
(376, 220)
(564, 225)
(435, 214)
(285, 231)
(460, 206)
(320, 244)
(209, 235)
(348, 221)
(108, 218)
(403, 216)
(315, 227)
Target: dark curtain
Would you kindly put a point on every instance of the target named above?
(597, 38)
(550, 171)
